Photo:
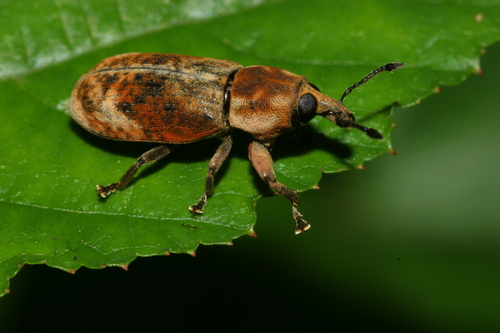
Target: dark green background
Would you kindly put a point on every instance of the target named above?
(409, 244)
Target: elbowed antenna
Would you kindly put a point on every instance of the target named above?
(390, 67)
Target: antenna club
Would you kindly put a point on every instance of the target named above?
(373, 134)
(391, 67)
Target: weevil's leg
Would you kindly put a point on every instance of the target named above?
(215, 163)
(263, 164)
(148, 157)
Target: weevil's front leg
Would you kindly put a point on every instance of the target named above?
(263, 164)
(215, 163)
(148, 157)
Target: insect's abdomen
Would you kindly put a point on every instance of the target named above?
(154, 97)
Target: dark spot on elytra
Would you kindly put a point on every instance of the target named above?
(164, 78)
(153, 87)
(169, 108)
(138, 77)
(108, 80)
(88, 103)
(139, 99)
(126, 107)
(84, 88)
(147, 132)
(86, 97)
(154, 59)
(201, 67)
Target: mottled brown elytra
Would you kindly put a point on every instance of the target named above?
(175, 99)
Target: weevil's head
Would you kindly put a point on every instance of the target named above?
(313, 103)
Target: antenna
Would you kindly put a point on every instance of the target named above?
(374, 134)
(390, 67)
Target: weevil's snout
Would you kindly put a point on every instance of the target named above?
(338, 113)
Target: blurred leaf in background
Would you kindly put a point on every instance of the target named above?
(398, 246)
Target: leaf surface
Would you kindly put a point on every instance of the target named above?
(49, 166)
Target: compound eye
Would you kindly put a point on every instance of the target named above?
(307, 108)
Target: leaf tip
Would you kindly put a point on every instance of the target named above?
(124, 267)
(393, 152)
(192, 253)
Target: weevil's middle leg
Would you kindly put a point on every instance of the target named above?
(263, 164)
(215, 163)
(148, 157)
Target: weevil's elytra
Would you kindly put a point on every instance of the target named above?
(124, 98)
(174, 99)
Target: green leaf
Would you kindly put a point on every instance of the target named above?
(49, 166)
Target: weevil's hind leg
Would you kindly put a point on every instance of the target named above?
(148, 157)
(215, 163)
(263, 164)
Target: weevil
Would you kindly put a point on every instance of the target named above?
(176, 99)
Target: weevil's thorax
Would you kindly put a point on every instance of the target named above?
(263, 101)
